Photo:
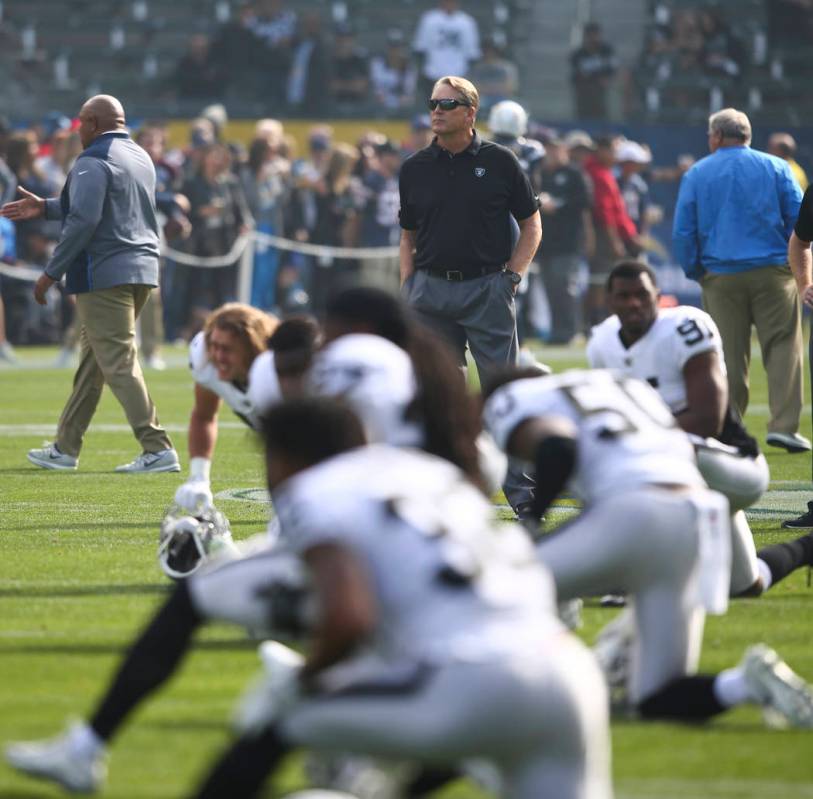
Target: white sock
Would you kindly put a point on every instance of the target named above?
(765, 573)
(84, 741)
(730, 687)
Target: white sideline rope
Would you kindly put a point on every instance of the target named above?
(29, 272)
(280, 243)
(21, 272)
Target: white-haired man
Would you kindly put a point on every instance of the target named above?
(734, 216)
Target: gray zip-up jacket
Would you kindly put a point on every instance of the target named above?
(107, 207)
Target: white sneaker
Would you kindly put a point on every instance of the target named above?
(787, 700)
(155, 361)
(65, 358)
(7, 353)
(272, 692)
(164, 461)
(49, 457)
(792, 442)
(59, 760)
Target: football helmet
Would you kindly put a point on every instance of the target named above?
(185, 541)
(508, 118)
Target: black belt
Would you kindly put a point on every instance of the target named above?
(456, 275)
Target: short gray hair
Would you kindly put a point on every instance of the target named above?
(731, 124)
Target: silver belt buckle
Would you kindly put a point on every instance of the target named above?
(454, 274)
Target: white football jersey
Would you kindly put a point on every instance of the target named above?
(263, 383)
(205, 374)
(627, 437)
(375, 377)
(676, 335)
(450, 582)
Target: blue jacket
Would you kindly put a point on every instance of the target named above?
(109, 229)
(735, 211)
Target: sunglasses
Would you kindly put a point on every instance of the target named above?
(445, 104)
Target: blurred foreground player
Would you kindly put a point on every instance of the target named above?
(615, 443)
(412, 591)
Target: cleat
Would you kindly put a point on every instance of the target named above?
(49, 457)
(613, 601)
(792, 442)
(613, 651)
(164, 461)
(803, 522)
(786, 699)
(61, 761)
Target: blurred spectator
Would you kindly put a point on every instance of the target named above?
(65, 146)
(336, 222)
(21, 157)
(275, 27)
(8, 181)
(592, 66)
(448, 40)
(393, 76)
(616, 234)
(580, 146)
(308, 75)
(420, 135)
(381, 201)
(7, 255)
(379, 205)
(219, 214)
(783, 146)
(349, 83)
(237, 53)
(272, 23)
(632, 159)
(722, 51)
(495, 77)
(201, 134)
(198, 74)
(174, 209)
(790, 23)
(564, 198)
(266, 183)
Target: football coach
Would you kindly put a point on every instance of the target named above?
(460, 259)
(108, 253)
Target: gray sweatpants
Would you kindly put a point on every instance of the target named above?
(479, 314)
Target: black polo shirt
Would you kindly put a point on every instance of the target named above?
(461, 205)
(804, 224)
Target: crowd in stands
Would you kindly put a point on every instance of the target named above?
(210, 193)
(696, 57)
(594, 195)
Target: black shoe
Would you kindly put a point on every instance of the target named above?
(803, 522)
(525, 515)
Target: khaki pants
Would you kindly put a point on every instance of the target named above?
(766, 298)
(152, 324)
(108, 355)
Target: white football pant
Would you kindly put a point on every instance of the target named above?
(646, 543)
(539, 716)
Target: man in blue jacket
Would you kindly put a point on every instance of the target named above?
(108, 253)
(735, 213)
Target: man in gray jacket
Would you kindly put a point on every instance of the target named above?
(108, 253)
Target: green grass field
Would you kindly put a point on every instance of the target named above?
(78, 577)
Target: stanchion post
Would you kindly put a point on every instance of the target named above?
(245, 271)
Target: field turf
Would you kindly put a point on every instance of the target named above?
(78, 577)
